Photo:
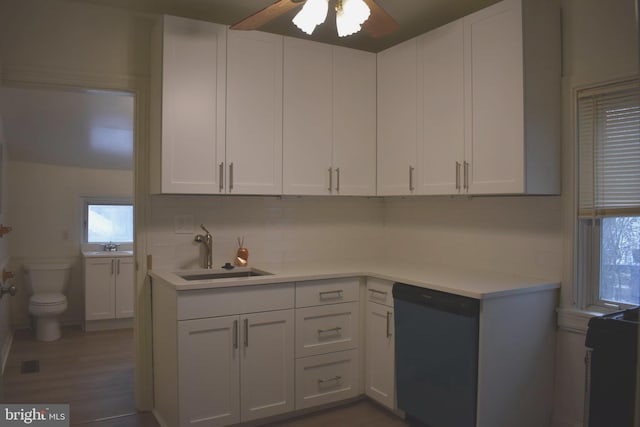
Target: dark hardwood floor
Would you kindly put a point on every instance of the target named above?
(93, 373)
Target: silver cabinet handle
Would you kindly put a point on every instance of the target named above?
(330, 180)
(230, 176)
(457, 175)
(338, 179)
(112, 266)
(246, 332)
(221, 176)
(118, 261)
(376, 291)
(337, 293)
(235, 334)
(466, 175)
(324, 331)
(411, 187)
(388, 323)
(326, 380)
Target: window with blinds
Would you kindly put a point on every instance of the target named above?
(609, 150)
(608, 131)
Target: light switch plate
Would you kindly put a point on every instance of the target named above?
(183, 224)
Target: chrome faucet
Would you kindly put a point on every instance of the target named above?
(207, 239)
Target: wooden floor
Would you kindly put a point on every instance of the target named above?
(93, 373)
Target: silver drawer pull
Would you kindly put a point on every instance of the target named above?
(375, 291)
(338, 294)
(324, 331)
(326, 380)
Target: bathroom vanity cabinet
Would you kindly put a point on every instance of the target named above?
(108, 290)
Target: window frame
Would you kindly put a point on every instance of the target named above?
(104, 200)
(588, 230)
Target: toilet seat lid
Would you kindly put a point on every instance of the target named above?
(48, 299)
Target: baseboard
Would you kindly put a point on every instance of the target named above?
(6, 348)
(104, 325)
(558, 422)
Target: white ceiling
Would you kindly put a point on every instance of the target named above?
(89, 129)
(414, 16)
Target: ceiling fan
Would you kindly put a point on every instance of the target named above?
(377, 22)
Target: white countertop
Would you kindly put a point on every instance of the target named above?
(108, 254)
(470, 283)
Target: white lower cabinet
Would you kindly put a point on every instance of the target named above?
(108, 288)
(327, 341)
(380, 379)
(235, 368)
(230, 364)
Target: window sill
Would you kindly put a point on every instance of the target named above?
(575, 320)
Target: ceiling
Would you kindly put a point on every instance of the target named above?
(414, 16)
(88, 129)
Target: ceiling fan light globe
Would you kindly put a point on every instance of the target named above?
(312, 14)
(350, 16)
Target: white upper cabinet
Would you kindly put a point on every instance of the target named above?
(441, 110)
(354, 122)
(397, 119)
(329, 120)
(254, 113)
(512, 98)
(307, 134)
(488, 105)
(188, 80)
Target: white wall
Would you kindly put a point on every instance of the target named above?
(287, 229)
(600, 43)
(72, 40)
(45, 211)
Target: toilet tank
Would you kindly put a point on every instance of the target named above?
(47, 277)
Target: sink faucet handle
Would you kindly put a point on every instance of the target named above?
(204, 228)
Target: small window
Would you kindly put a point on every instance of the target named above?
(108, 222)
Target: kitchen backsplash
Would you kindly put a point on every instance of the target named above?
(275, 229)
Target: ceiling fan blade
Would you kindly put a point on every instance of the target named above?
(380, 23)
(270, 12)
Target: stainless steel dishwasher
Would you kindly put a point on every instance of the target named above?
(436, 356)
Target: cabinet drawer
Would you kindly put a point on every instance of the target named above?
(202, 303)
(326, 378)
(319, 292)
(380, 291)
(326, 328)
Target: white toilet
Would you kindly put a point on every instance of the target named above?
(46, 283)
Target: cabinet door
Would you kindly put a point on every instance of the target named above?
(307, 132)
(254, 113)
(99, 292)
(495, 101)
(124, 287)
(354, 122)
(267, 372)
(193, 105)
(380, 356)
(397, 119)
(209, 371)
(441, 106)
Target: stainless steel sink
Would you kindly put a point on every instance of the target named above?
(223, 274)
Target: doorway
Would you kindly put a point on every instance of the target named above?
(64, 145)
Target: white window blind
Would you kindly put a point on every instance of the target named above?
(609, 150)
